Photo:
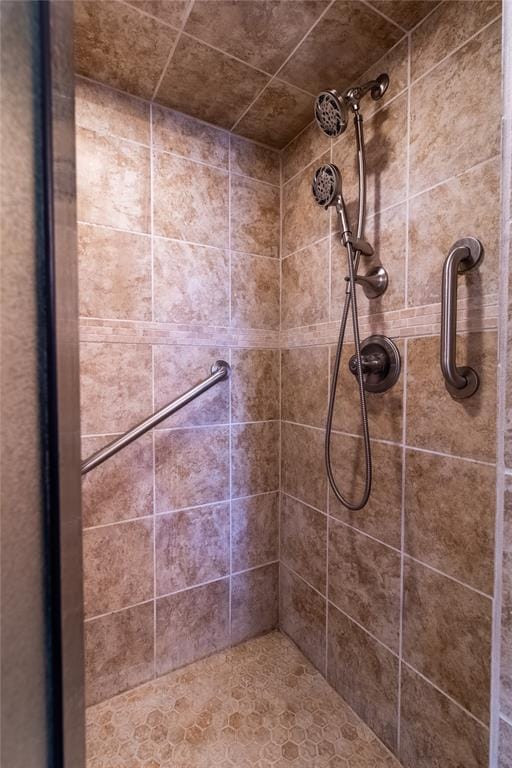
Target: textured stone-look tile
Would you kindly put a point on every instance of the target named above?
(258, 704)
(118, 652)
(262, 34)
(191, 467)
(353, 30)
(364, 582)
(277, 115)
(179, 368)
(182, 135)
(302, 464)
(172, 12)
(434, 419)
(254, 602)
(395, 64)
(115, 44)
(505, 745)
(191, 624)
(115, 386)
(435, 731)
(122, 487)
(387, 234)
(118, 566)
(254, 160)
(114, 274)
(254, 217)
(305, 286)
(385, 409)
(381, 516)
(254, 531)
(449, 516)
(386, 149)
(444, 142)
(254, 291)
(464, 206)
(302, 616)
(104, 110)
(207, 84)
(254, 458)
(506, 606)
(303, 221)
(190, 201)
(447, 636)
(303, 539)
(112, 181)
(191, 283)
(365, 675)
(305, 385)
(303, 149)
(191, 547)
(453, 22)
(254, 384)
(406, 13)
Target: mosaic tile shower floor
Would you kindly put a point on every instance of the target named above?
(258, 705)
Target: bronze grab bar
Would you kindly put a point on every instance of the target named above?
(465, 255)
(219, 371)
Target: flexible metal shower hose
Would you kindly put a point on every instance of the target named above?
(351, 300)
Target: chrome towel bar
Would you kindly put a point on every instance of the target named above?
(219, 371)
(465, 255)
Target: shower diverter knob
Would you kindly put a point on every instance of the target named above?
(380, 362)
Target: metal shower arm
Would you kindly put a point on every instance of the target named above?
(219, 371)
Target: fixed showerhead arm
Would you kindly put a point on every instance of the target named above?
(376, 87)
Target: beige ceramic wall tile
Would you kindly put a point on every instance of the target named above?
(302, 467)
(305, 385)
(406, 13)
(381, 516)
(434, 419)
(254, 458)
(208, 84)
(254, 160)
(122, 487)
(308, 145)
(182, 135)
(178, 368)
(254, 217)
(506, 617)
(191, 624)
(449, 516)
(115, 386)
(385, 409)
(447, 636)
(190, 283)
(364, 582)
(433, 728)
(190, 200)
(505, 745)
(116, 44)
(118, 566)
(255, 384)
(114, 273)
(305, 286)
(191, 467)
(365, 674)
(462, 207)
(444, 142)
(395, 65)
(254, 531)
(254, 291)
(191, 547)
(254, 602)
(112, 181)
(118, 652)
(171, 12)
(303, 221)
(451, 24)
(303, 541)
(302, 616)
(104, 110)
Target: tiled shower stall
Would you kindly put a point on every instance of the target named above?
(196, 244)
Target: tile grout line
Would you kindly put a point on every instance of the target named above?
(173, 49)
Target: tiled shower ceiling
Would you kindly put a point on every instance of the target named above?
(252, 66)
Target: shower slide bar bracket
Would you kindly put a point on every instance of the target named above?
(465, 255)
(220, 370)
